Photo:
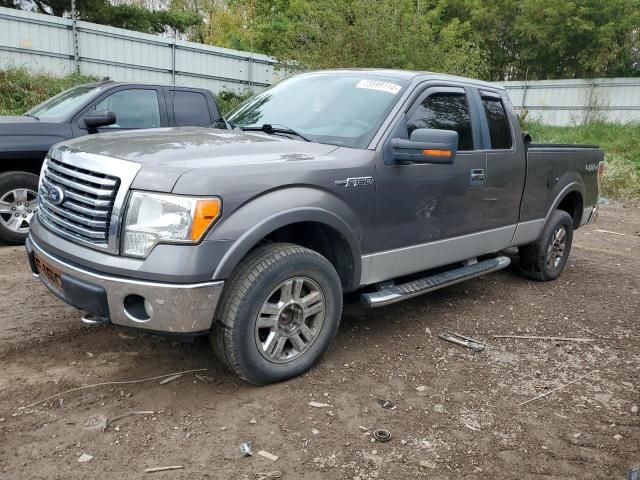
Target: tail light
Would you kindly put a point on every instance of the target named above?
(602, 166)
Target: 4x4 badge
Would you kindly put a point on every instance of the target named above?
(355, 181)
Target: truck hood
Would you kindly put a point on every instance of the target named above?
(16, 119)
(27, 135)
(193, 147)
(167, 153)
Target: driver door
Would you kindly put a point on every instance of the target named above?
(134, 107)
(426, 215)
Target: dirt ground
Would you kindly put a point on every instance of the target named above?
(463, 422)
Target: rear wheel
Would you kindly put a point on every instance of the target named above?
(279, 313)
(18, 203)
(545, 259)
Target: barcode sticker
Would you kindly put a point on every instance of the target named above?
(380, 86)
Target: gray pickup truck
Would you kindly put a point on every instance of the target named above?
(387, 184)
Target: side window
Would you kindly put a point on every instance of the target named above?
(499, 130)
(446, 111)
(134, 108)
(190, 109)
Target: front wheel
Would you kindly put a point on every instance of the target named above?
(18, 203)
(544, 259)
(279, 313)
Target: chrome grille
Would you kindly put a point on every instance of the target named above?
(84, 209)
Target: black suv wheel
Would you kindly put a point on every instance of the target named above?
(18, 203)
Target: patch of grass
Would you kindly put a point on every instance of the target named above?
(21, 90)
(621, 143)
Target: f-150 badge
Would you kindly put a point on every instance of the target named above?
(355, 181)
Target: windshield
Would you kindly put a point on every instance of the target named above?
(339, 109)
(63, 104)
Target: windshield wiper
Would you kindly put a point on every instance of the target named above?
(30, 115)
(222, 119)
(275, 129)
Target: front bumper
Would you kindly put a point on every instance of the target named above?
(157, 306)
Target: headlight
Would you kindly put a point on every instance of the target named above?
(153, 218)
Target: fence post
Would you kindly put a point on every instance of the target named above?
(173, 62)
(74, 30)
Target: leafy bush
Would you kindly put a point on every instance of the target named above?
(228, 100)
(21, 90)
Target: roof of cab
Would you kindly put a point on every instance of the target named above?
(411, 75)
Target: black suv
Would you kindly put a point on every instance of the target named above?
(105, 106)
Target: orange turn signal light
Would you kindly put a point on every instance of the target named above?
(205, 213)
(438, 153)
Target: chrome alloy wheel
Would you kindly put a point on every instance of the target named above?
(555, 252)
(17, 207)
(290, 319)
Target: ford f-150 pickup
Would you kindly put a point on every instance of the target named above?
(385, 184)
(105, 106)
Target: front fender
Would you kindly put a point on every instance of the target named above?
(256, 219)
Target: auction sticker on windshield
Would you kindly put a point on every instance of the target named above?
(380, 86)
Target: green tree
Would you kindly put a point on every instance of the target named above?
(550, 39)
(346, 33)
(129, 16)
(496, 40)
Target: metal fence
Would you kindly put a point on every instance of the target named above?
(575, 102)
(60, 46)
(43, 43)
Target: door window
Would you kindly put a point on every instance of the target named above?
(499, 130)
(134, 108)
(445, 111)
(190, 109)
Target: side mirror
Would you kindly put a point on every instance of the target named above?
(526, 138)
(98, 119)
(426, 145)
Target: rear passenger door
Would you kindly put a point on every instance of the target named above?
(189, 108)
(506, 164)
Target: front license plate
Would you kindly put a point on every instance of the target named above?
(49, 271)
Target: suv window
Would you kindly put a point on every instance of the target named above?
(499, 130)
(446, 111)
(134, 108)
(190, 109)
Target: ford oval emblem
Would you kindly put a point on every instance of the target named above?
(55, 195)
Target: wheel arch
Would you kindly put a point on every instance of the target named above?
(334, 235)
(571, 200)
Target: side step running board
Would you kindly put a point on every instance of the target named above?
(395, 293)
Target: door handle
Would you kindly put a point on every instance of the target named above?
(476, 177)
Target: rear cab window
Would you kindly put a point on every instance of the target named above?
(190, 109)
(497, 121)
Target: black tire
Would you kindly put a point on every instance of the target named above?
(251, 286)
(535, 262)
(9, 182)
